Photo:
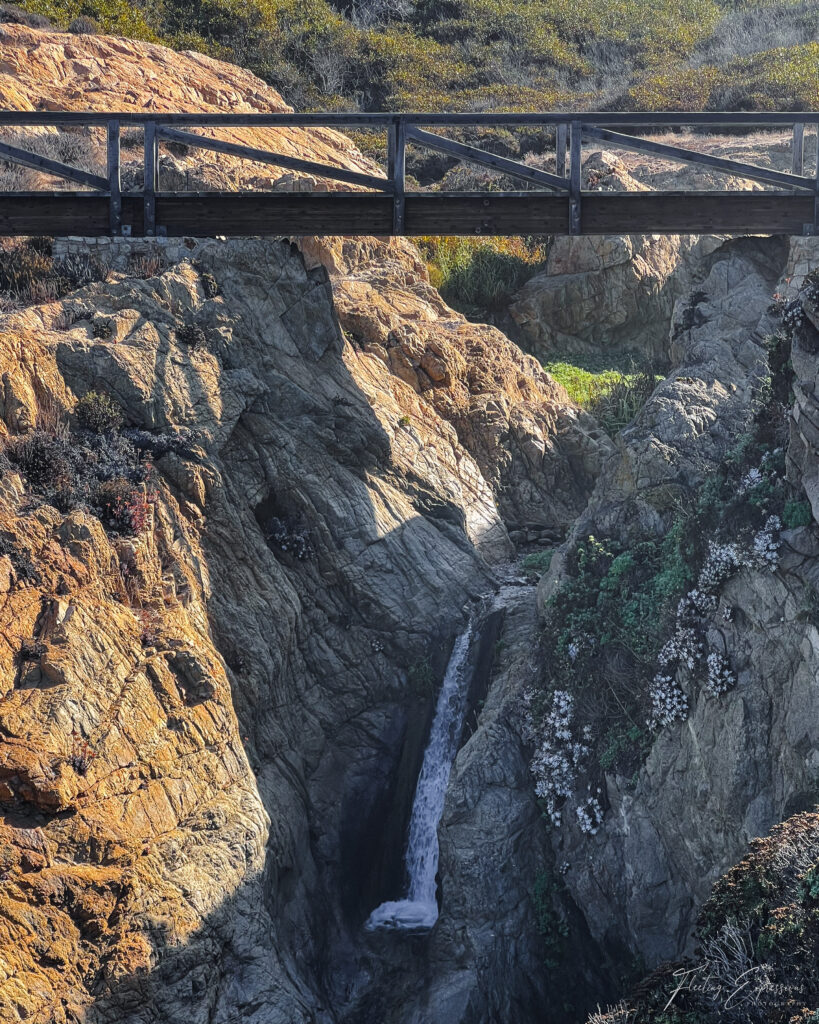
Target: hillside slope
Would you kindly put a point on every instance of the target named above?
(468, 54)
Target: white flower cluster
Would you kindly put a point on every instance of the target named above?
(683, 648)
(558, 756)
(578, 644)
(725, 559)
(722, 562)
(793, 316)
(696, 604)
(589, 816)
(668, 702)
(720, 676)
(753, 478)
(765, 550)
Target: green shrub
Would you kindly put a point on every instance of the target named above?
(478, 275)
(613, 395)
(114, 16)
(83, 26)
(623, 749)
(98, 412)
(797, 513)
(537, 563)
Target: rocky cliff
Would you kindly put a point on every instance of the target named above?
(250, 493)
(732, 749)
(224, 619)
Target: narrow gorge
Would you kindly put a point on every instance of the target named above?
(353, 672)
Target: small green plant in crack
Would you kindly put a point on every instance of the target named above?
(537, 563)
(797, 513)
(210, 286)
(192, 335)
(623, 749)
(551, 924)
(421, 678)
(103, 329)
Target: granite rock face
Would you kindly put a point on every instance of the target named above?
(211, 731)
(740, 764)
(614, 296)
(205, 725)
(212, 791)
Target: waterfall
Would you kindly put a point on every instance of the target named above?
(420, 909)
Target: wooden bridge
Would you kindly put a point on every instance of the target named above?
(554, 202)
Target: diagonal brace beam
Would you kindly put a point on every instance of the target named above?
(485, 159)
(690, 156)
(43, 163)
(277, 159)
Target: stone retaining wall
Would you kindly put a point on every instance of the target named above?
(119, 252)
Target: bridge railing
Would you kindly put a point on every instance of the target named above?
(382, 204)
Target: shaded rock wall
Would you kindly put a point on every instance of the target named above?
(739, 764)
(197, 867)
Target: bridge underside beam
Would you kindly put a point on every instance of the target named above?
(291, 214)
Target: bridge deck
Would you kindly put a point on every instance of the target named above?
(382, 205)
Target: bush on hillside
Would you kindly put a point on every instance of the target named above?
(83, 26)
(29, 273)
(96, 467)
(757, 943)
(98, 413)
(613, 396)
(17, 16)
(480, 275)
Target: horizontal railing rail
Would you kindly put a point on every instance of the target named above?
(658, 119)
(382, 204)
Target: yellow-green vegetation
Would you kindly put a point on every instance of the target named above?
(611, 393)
(119, 17)
(786, 78)
(479, 275)
(495, 54)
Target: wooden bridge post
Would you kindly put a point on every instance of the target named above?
(560, 151)
(149, 188)
(575, 177)
(798, 154)
(114, 179)
(815, 230)
(396, 172)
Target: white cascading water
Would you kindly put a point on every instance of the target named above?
(419, 911)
